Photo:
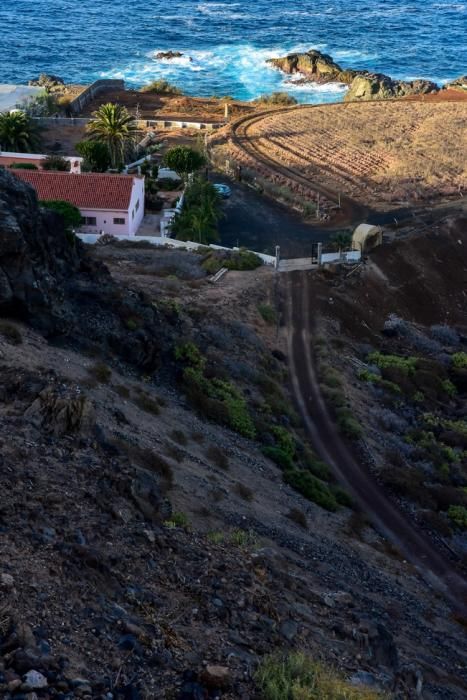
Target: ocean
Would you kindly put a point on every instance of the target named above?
(229, 42)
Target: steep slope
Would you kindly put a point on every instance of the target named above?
(140, 540)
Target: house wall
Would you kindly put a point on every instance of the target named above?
(135, 214)
(9, 157)
(104, 222)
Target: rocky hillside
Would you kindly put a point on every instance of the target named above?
(150, 548)
(320, 68)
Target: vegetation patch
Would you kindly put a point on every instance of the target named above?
(296, 676)
(220, 400)
(267, 313)
(311, 487)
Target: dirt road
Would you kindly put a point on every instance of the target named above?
(437, 570)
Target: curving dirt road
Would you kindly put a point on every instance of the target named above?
(350, 210)
(436, 569)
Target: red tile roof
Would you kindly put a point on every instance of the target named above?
(85, 191)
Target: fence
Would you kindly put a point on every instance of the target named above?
(316, 260)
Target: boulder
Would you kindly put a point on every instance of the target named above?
(168, 55)
(216, 677)
(315, 66)
(60, 414)
(377, 86)
(457, 84)
(49, 82)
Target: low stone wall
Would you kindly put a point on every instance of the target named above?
(92, 238)
(97, 88)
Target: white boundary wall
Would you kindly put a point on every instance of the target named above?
(92, 238)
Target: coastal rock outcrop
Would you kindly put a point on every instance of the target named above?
(314, 66)
(317, 67)
(169, 55)
(377, 86)
(458, 83)
(49, 82)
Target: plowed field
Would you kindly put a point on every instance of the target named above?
(377, 153)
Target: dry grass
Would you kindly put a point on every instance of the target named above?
(387, 150)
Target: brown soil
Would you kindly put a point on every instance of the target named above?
(151, 106)
(398, 158)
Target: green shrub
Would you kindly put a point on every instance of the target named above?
(282, 99)
(243, 538)
(330, 378)
(190, 354)
(297, 677)
(267, 313)
(405, 364)
(347, 424)
(161, 87)
(449, 388)
(55, 162)
(316, 466)
(71, 215)
(458, 515)
(285, 440)
(312, 488)
(23, 166)
(279, 457)
(342, 497)
(178, 520)
(459, 360)
(242, 260)
(372, 378)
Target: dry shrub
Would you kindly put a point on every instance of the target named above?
(243, 491)
(217, 456)
(298, 517)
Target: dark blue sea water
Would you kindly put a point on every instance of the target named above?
(81, 40)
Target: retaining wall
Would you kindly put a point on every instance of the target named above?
(97, 88)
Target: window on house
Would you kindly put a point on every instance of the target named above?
(119, 222)
(133, 214)
(88, 221)
(137, 205)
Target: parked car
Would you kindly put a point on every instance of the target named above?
(223, 191)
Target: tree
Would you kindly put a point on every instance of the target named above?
(71, 215)
(114, 126)
(341, 240)
(44, 105)
(55, 162)
(96, 156)
(184, 161)
(200, 214)
(18, 133)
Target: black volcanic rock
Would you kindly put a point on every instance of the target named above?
(37, 258)
(48, 279)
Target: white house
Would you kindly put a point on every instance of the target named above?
(7, 158)
(113, 204)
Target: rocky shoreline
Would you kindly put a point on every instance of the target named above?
(316, 67)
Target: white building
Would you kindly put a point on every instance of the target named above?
(113, 204)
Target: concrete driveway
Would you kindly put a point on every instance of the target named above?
(257, 222)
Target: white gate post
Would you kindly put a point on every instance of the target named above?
(278, 257)
(320, 253)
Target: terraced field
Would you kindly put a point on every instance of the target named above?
(375, 153)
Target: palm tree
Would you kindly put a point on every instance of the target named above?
(17, 132)
(113, 125)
